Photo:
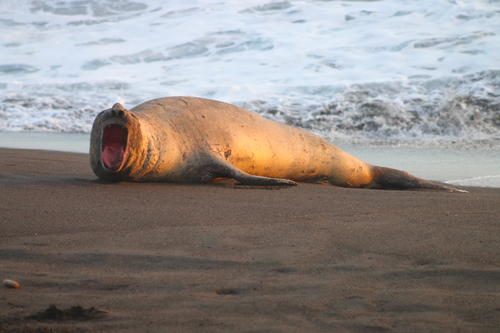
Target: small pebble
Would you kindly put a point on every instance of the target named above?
(11, 284)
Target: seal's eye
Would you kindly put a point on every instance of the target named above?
(114, 142)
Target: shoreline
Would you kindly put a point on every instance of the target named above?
(198, 258)
(460, 167)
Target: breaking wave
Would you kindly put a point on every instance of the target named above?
(414, 73)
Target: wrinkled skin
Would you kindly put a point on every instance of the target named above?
(187, 139)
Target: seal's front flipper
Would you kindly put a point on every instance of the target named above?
(228, 171)
(246, 179)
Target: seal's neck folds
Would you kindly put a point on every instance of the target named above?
(114, 144)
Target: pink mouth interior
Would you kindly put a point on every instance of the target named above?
(114, 141)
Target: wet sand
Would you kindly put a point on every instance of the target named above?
(216, 258)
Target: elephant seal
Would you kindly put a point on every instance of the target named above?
(188, 139)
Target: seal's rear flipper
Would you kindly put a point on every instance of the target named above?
(387, 178)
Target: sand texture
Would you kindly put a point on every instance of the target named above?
(133, 257)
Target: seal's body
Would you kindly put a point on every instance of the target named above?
(187, 139)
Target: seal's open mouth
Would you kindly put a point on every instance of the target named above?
(114, 142)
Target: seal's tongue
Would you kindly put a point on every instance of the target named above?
(114, 140)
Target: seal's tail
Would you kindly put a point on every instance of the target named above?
(388, 178)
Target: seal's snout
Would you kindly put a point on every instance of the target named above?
(114, 143)
(118, 110)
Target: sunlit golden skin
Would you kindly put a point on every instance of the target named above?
(187, 139)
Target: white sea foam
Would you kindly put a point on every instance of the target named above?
(417, 71)
(485, 181)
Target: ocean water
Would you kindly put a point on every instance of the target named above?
(414, 73)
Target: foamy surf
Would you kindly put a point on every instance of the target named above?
(485, 181)
(414, 73)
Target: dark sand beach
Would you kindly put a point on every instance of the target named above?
(219, 258)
